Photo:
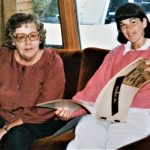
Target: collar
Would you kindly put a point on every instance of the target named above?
(127, 46)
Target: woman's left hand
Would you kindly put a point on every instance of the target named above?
(2, 132)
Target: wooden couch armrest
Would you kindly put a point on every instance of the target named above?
(54, 143)
(58, 140)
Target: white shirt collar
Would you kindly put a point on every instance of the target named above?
(128, 48)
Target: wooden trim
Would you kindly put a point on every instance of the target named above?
(8, 7)
(69, 26)
(1, 21)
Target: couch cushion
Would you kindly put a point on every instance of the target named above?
(91, 60)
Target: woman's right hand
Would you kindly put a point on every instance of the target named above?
(148, 63)
(63, 114)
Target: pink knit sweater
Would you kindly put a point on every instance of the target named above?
(113, 63)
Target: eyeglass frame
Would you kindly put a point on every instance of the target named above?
(27, 36)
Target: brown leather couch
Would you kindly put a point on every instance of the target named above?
(79, 66)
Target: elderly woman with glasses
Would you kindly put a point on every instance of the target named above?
(29, 74)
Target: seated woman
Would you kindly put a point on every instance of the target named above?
(29, 74)
(134, 35)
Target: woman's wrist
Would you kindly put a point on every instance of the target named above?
(5, 127)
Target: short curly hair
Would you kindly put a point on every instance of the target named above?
(18, 19)
(129, 10)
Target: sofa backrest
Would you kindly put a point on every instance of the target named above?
(72, 63)
(79, 66)
(91, 60)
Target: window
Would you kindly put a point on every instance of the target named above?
(49, 14)
(145, 4)
(112, 9)
(96, 21)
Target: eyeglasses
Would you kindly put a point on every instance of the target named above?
(21, 37)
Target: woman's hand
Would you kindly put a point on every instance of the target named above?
(63, 114)
(148, 63)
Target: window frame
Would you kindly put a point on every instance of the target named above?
(69, 27)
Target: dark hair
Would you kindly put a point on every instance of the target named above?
(18, 19)
(129, 10)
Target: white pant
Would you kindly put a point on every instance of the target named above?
(92, 133)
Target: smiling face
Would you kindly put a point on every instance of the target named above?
(27, 50)
(133, 30)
